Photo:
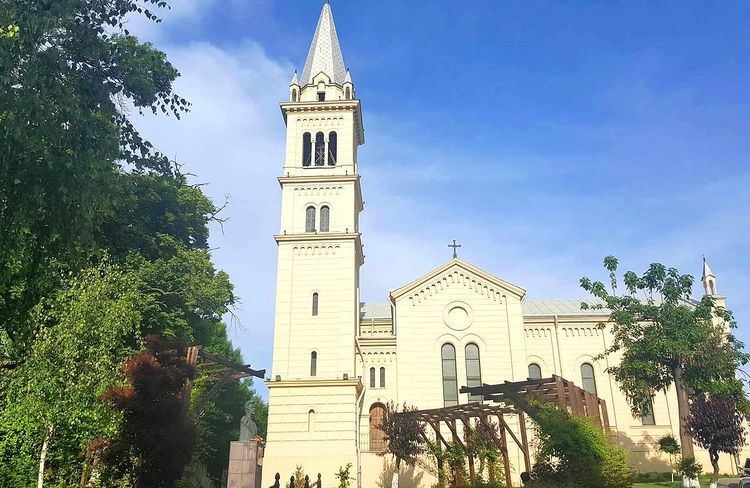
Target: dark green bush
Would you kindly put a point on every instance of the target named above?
(573, 452)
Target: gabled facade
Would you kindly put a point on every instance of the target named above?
(337, 362)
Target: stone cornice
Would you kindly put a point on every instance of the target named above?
(315, 383)
(367, 342)
(283, 180)
(564, 319)
(315, 237)
(315, 106)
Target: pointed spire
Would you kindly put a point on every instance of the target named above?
(295, 81)
(708, 279)
(348, 78)
(325, 52)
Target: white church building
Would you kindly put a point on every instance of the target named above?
(337, 361)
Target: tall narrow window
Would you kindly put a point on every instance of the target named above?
(310, 219)
(306, 149)
(348, 93)
(325, 219)
(372, 377)
(648, 418)
(315, 304)
(535, 372)
(377, 435)
(311, 420)
(473, 370)
(314, 363)
(321, 96)
(382, 377)
(294, 95)
(320, 149)
(332, 148)
(450, 379)
(588, 381)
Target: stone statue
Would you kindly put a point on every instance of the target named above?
(248, 429)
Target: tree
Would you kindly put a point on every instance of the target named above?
(404, 435)
(51, 399)
(669, 445)
(157, 435)
(665, 338)
(717, 425)
(67, 73)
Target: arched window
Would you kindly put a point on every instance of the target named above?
(473, 370)
(377, 435)
(332, 149)
(348, 93)
(306, 149)
(315, 304)
(325, 219)
(314, 363)
(372, 377)
(294, 95)
(310, 219)
(450, 379)
(535, 372)
(588, 381)
(311, 420)
(320, 149)
(382, 377)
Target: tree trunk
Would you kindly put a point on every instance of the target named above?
(683, 409)
(43, 458)
(714, 456)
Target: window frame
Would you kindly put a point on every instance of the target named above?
(306, 150)
(592, 378)
(473, 381)
(320, 150)
(314, 363)
(372, 377)
(333, 153)
(449, 401)
(382, 377)
(311, 214)
(315, 304)
(325, 218)
(538, 367)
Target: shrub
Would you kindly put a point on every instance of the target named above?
(574, 452)
(690, 468)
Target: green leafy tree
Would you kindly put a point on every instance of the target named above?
(717, 425)
(669, 445)
(665, 338)
(49, 405)
(65, 135)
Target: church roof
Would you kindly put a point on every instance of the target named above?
(325, 52)
(565, 307)
(560, 307)
(375, 310)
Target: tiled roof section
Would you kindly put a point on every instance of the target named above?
(375, 310)
(325, 51)
(560, 307)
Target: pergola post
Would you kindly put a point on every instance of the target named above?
(504, 450)
(467, 436)
(524, 441)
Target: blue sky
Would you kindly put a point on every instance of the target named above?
(541, 135)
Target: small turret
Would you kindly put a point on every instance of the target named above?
(294, 88)
(348, 87)
(709, 280)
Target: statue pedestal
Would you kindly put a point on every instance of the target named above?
(245, 464)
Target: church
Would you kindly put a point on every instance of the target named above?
(337, 361)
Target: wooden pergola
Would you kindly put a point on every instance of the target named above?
(509, 400)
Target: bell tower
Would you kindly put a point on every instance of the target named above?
(313, 388)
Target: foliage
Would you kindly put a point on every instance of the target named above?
(403, 434)
(689, 468)
(574, 452)
(87, 330)
(481, 444)
(717, 425)
(65, 134)
(344, 476)
(299, 477)
(156, 438)
(668, 445)
(664, 338)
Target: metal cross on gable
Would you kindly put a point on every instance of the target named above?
(455, 248)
